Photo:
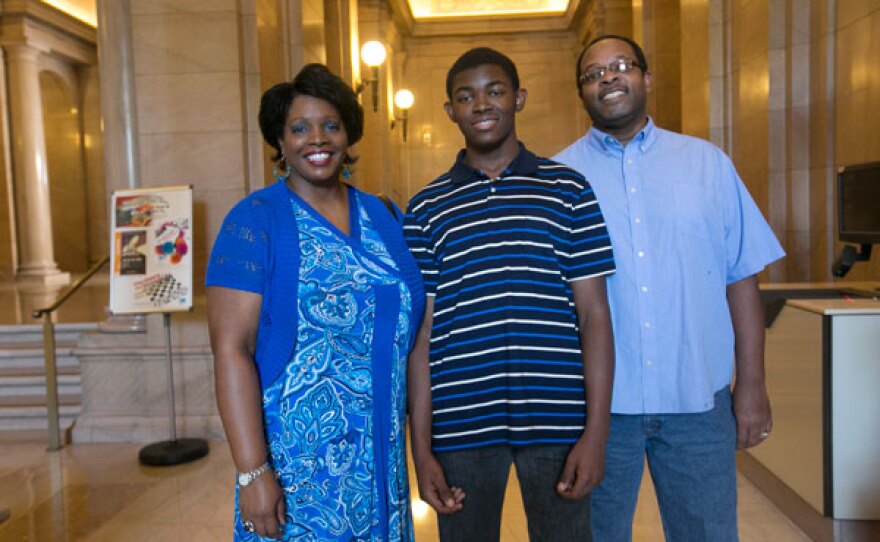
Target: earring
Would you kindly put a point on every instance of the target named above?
(346, 171)
(281, 163)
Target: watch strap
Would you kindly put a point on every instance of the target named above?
(245, 478)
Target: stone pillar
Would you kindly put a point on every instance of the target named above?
(8, 248)
(341, 39)
(118, 105)
(30, 171)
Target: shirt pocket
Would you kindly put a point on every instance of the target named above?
(695, 212)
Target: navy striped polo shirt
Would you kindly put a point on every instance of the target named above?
(498, 256)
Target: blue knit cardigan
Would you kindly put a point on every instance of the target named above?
(257, 250)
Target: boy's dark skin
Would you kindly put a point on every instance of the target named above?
(484, 104)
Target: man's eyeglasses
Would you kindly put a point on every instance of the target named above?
(621, 65)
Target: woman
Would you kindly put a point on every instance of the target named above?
(313, 304)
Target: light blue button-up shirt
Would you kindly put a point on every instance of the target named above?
(683, 226)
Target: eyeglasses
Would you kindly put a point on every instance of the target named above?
(621, 65)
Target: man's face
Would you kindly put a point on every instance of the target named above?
(484, 104)
(615, 102)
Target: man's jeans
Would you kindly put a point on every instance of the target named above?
(482, 474)
(692, 462)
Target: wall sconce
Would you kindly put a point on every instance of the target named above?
(404, 100)
(373, 55)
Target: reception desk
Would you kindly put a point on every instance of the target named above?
(821, 465)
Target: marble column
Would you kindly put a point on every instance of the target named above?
(8, 248)
(341, 39)
(30, 173)
(118, 105)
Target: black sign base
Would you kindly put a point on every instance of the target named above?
(173, 452)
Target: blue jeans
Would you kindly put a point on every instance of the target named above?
(482, 473)
(692, 462)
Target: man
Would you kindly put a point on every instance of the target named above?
(688, 240)
(516, 340)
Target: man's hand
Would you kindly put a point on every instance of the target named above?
(584, 468)
(751, 408)
(434, 490)
(751, 405)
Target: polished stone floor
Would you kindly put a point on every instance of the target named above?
(99, 492)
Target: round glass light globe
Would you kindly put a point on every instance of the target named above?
(373, 53)
(404, 99)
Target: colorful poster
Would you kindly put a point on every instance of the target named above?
(151, 250)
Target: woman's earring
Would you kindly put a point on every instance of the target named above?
(346, 171)
(281, 164)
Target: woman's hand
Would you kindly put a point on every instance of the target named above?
(262, 502)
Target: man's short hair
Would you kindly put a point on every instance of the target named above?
(640, 54)
(477, 57)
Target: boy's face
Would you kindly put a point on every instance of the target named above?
(484, 105)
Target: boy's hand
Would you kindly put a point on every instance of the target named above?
(434, 490)
(584, 468)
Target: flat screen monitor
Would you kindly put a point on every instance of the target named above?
(858, 203)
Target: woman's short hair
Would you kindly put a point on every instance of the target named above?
(314, 80)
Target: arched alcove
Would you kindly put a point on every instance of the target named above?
(66, 172)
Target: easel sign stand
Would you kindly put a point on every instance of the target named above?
(173, 451)
(151, 254)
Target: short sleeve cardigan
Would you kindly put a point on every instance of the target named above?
(257, 250)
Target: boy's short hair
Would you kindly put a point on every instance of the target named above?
(477, 57)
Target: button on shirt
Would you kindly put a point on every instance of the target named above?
(683, 227)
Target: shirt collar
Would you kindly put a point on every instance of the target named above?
(646, 137)
(524, 164)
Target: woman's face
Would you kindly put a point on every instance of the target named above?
(314, 141)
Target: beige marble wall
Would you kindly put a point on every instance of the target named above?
(93, 156)
(8, 252)
(821, 139)
(857, 86)
(695, 68)
(662, 42)
(750, 81)
(271, 69)
(312, 33)
(785, 144)
(803, 120)
(378, 166)
(67, 188)
(552, 118)
(190, 85)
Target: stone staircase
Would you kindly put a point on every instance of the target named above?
(23, 380)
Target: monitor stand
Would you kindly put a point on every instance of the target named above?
(848, 257)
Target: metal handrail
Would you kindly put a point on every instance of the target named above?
(72, 290)
(49, 354)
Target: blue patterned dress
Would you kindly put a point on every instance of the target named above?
(335, 417)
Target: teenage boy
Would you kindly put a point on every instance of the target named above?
(514, 360)
(688, 242)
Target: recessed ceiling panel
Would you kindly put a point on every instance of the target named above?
(423, 9)
(84, 10)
